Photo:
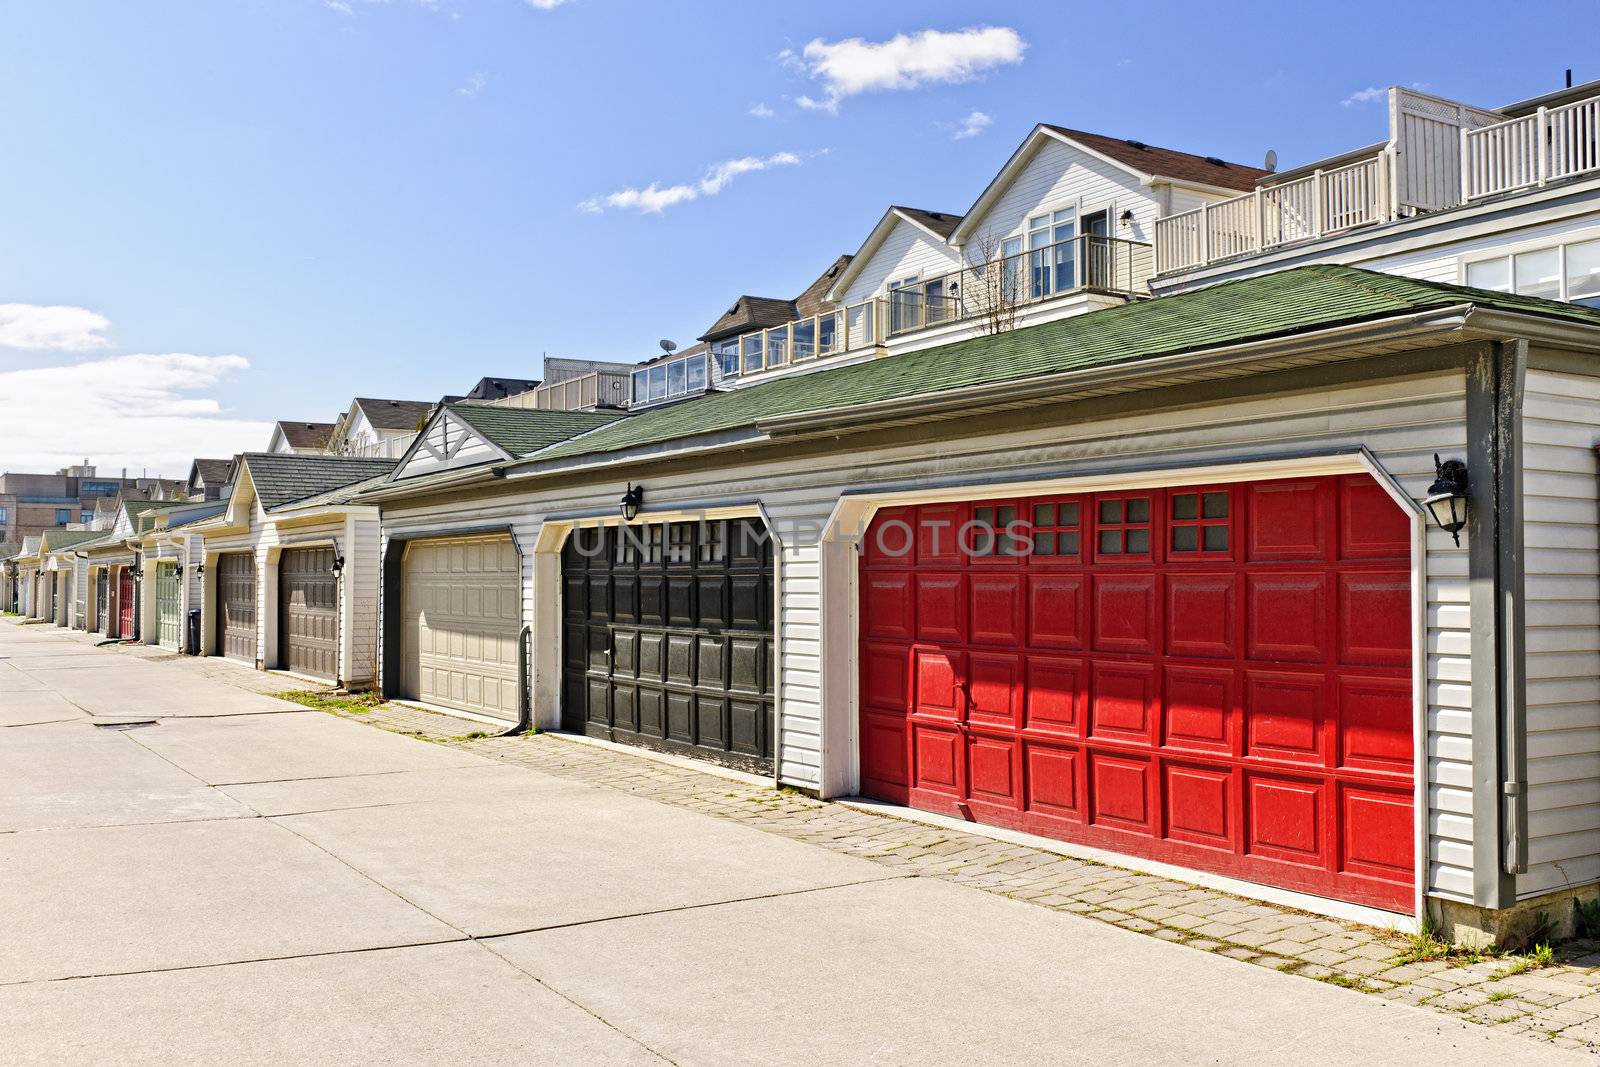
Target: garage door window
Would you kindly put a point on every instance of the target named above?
(1124, 528)
(1198, 523)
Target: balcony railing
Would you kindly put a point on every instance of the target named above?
(1321, 203)
(831, 333)
(1546, 146)
(583, 392)
(998, 290)
(994, 291)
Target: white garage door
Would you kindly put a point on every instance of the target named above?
(461, 601)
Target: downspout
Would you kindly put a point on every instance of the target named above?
(1511, 377)
(524, 681)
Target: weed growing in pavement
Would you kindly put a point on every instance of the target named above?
(1426, 944)
(327, 700)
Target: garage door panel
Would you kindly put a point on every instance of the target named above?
(934, 749)
(1287, 616)
(941, 607)
(1199, 804)
(936, 674)
(1378, 839)
(1376, 606)
(1057, 611)
(1290, 520)
(1286, 716)
(1120, 788)
(1124, 615)
(1056, 694)
(996, 609)
(994, 689)
(1374, 724)
(1216, 676)
(690, 668)
(1199, 703)
(1052, 781)
(1285, 818)
(1122, 700)
(747, 659)
(1202, 616)
(1370, 526)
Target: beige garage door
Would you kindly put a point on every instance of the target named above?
(461, 600)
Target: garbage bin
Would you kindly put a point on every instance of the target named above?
(193, 643)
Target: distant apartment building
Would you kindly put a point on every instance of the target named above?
(30, 504)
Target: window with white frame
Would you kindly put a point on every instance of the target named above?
(1569, 272)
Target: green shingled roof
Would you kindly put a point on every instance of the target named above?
(282, 478)
(520, 431)
(56, 540)
(1252, 309)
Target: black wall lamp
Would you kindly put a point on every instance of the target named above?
(631, 501)
(199, 570)
(1447, 496)
(337, 568)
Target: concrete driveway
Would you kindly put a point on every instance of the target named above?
(245, 880)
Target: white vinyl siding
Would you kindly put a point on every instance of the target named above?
(908, 251)
(1561, 532)
(1061, 176)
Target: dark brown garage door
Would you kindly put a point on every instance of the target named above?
(308, 612)
(236, 606)
(667, 638)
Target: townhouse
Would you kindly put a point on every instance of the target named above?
(1235, 523)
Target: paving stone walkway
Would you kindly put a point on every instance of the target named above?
(1558, 1002)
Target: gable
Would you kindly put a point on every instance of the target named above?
(1056, 176)
(446, 444)
(905, 250)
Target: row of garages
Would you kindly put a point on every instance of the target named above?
(1207, 610)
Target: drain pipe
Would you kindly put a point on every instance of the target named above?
(524, 694)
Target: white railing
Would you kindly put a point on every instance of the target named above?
(580, 393)
(1550, 144)
(1321, 203)
(379, 448)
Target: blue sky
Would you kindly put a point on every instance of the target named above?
(394, 198)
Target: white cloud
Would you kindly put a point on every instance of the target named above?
(61, 327)
(474, 85)
(137, 411)
(972, 125)
(654, 198)
(1364, 96)
(545, 5)
(341, 6)
(932, 57)
(762, 111)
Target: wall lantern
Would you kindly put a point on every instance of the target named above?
(1126, 219)
(1447, 496)
(179, 570)
(337, 567)
(631, 500)
(199, 570)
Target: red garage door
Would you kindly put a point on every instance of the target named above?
(125, 627)
(1213, 676)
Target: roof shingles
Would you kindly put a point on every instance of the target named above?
(280, 478)
(1251, 309)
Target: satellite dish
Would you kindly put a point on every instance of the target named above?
(667, 346)
(1272, 159)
